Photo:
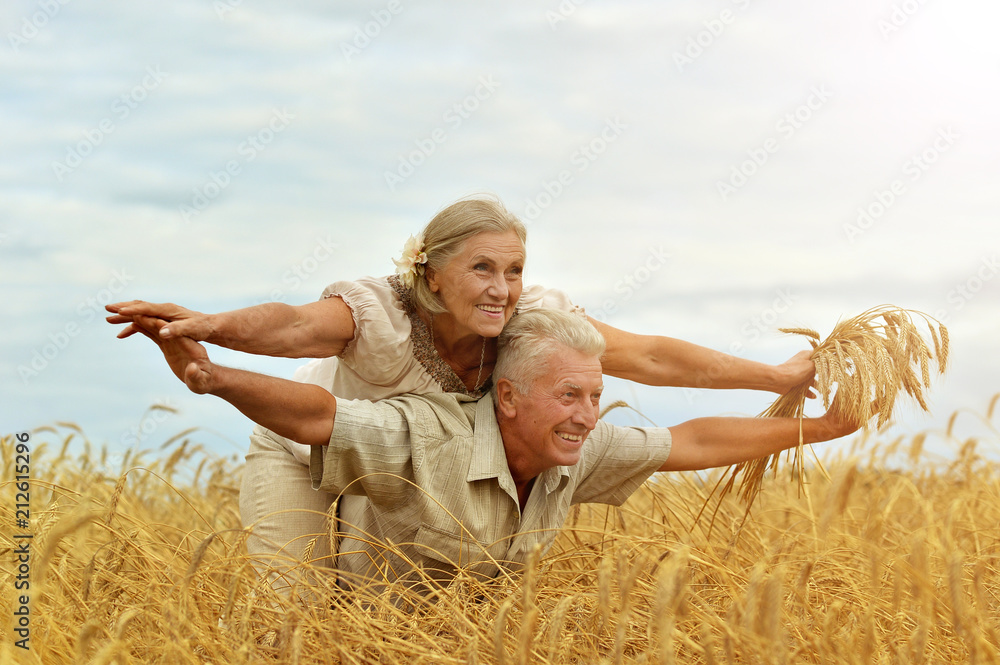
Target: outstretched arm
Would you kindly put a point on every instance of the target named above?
(316, 330)
(664, 361)
(705, 443)
(299, 411)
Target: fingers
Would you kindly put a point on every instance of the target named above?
(150, 324)
(115, 306)
(167, 310)
(178, 329)
(142, 331)
(125, 312)
(129, 330)
(182, 322)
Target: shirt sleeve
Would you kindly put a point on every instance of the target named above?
(369, 452)
(538, 297)
(618, 460)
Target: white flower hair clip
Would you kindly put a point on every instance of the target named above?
(411, 265)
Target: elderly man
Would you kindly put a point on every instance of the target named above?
(451, 482)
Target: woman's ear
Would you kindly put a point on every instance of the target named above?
(431, 276)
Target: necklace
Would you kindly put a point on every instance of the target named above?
(479, 374)
(482, 357)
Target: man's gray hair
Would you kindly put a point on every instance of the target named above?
(531, 338)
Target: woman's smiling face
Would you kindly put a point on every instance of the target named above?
(480, 286)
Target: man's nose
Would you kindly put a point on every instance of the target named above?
(586, 414)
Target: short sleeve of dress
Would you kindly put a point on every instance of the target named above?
(381, 351)
(538, 297)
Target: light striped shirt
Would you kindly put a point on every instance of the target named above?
(439, 494)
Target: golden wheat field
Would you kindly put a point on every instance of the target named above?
(886, 554)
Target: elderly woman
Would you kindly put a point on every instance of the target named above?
(432, 327)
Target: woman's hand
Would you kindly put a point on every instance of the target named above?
(318, 329)
(794, 372)
(182, 322)
(187, 359)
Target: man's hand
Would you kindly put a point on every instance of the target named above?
(182, 322)
(302, 412)
(836, 422)
(187, 359)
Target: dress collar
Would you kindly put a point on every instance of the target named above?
(423, 349)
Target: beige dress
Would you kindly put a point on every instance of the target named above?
(391, 354)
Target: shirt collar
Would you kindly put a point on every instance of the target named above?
(489, 459)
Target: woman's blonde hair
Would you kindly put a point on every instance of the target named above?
(445, 235)
(531, 338)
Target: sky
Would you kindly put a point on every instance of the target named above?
(709, 171)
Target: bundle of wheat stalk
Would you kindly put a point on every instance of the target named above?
(870, 359)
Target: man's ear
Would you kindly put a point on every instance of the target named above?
(506, 398)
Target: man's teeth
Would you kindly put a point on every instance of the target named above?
(571, 437)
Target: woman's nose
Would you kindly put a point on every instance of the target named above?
(498, 286)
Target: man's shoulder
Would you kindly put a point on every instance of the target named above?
(609, 441)
(442, 412)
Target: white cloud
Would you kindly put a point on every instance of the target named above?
(655, 185)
